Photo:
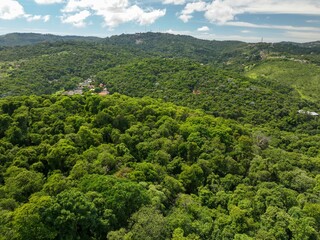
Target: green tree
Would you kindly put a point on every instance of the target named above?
(148, 223)
(30, 220)
(21, 183)
(191, 177)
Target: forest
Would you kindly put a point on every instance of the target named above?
(196, 140)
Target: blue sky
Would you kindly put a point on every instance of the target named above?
(245, 20)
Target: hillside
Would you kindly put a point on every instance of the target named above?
(300, 75)
(49, 67)
(252, 83)
(22, 39)
(189, 139)
(218, 92)
(144, 169)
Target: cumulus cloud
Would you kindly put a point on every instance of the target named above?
(147, 18)
(10, 9)
(115, 12)
(221, 11)
(48, 1)
(78, 19)
(175, 2)
(203, 29)
(31, 18)
(46, 18)
(190, 8)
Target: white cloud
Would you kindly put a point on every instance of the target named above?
(209, 36)
(178, 32)
(221, 11)
(10, 9)
(190, 8)
(203, 29)
(46, 18)
(48, 1)
(185, 18)
(31, 18)
(303, 36)
(147, 18)
(77, 20)
(175, 2)
(313, 21)
(246, 31)
(115, 12)
(276, 6)
(280, 27)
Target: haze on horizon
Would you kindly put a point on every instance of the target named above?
(244, 20)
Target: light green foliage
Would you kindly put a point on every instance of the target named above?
(55, 184)
(29, 221)
(122, 197)
(149, 224)
(191, 177)
(59, 156)
(116, 167)
(21, 183)
(191, 216)
(301, 76)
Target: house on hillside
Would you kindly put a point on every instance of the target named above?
(308, 113)
(104, 92)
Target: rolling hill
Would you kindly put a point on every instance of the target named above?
(192, 139)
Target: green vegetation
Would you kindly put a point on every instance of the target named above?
(22, 39)
(218, 92)
(50, 67)
(197, 140)
(123, 168)
(304, 77)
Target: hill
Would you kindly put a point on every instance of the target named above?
(212, 139)
(49, 67)
(223, 78)
(22, 39)
(218, 92)
(304, 77)
(91, 167)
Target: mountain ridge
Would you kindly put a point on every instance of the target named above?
(21, 39)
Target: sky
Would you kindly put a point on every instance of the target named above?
(244, 20)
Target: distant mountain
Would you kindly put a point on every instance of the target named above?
(170, 45)
(233, 53)
(22, 39)
(163, 44)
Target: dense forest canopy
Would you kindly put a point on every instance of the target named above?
(132, 168)
(195, 139)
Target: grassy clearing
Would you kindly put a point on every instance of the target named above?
(305, 78)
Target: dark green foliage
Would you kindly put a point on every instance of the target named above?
(21, 39)
(216, 91)
(116, 167)
(162, 172)
(50, 67)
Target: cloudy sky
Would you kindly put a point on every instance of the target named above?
(245, 20)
